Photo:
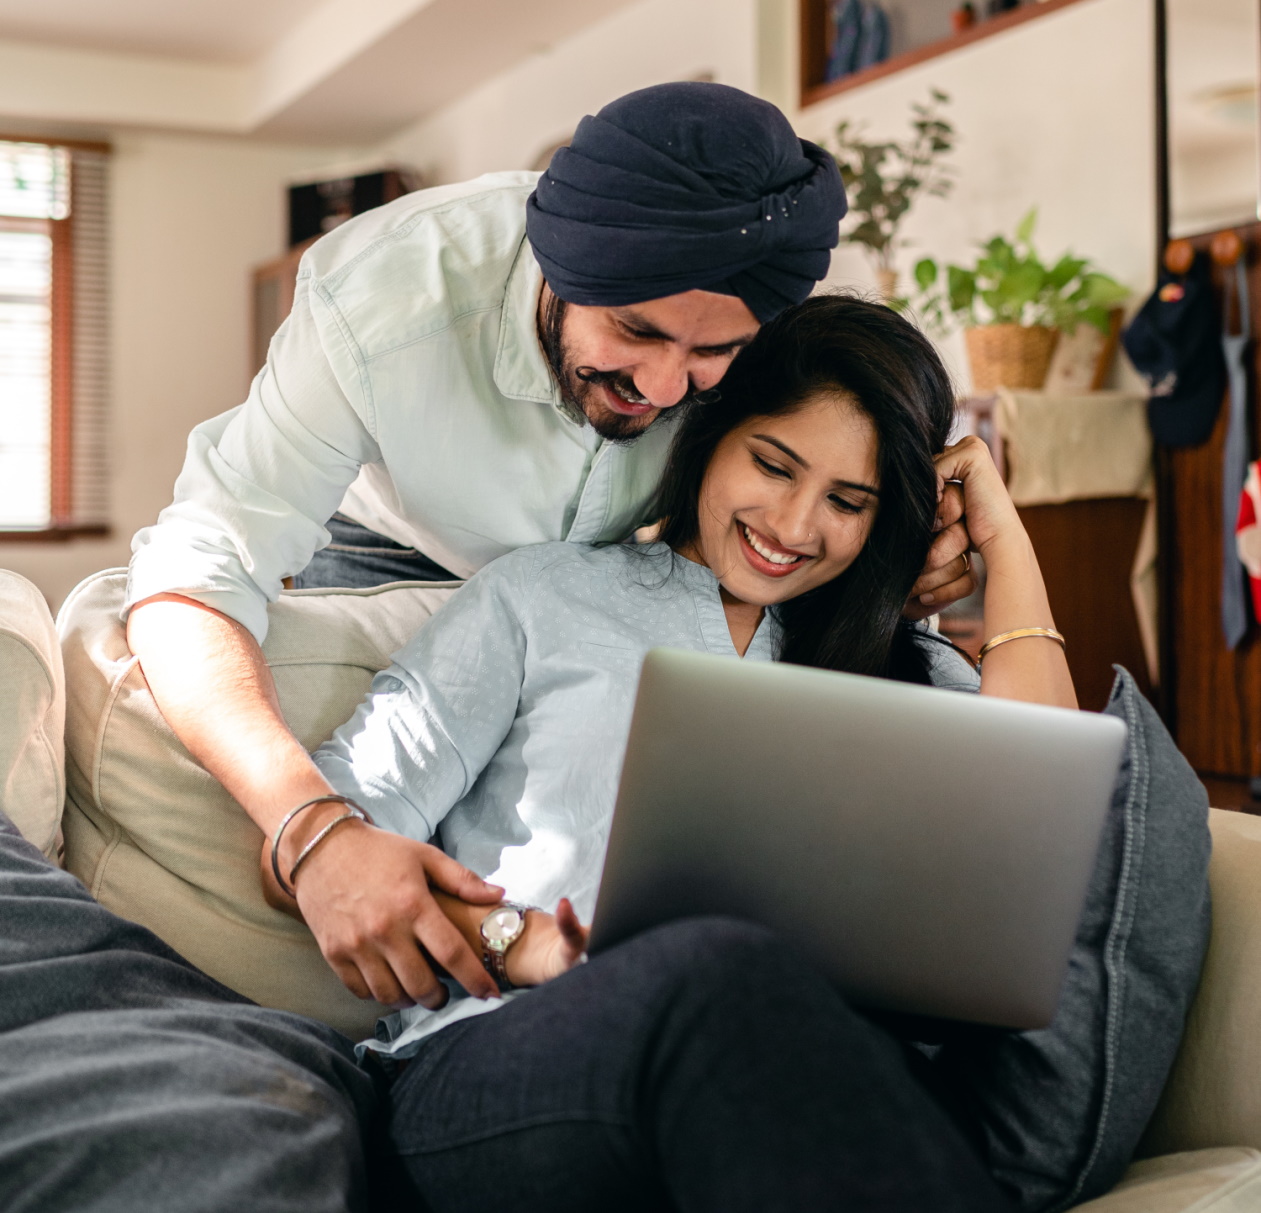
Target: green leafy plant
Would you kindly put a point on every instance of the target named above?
(1010, 284)
(883, 180)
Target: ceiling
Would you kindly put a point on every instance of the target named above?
(321, 71)
(227, 31)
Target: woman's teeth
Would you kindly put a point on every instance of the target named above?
(765, 552)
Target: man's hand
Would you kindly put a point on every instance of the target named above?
(367, 897)
(948, 575)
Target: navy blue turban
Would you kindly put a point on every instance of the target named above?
(684, 187)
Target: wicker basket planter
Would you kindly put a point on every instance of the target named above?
(1009, 355)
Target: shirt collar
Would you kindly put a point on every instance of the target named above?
(521, 371)
(700, 579)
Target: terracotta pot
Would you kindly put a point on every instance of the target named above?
(1010, 355)
(964, 17)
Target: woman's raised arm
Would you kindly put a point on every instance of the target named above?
(1032, 668)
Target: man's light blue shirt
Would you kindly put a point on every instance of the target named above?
(407, 388)
(500, 728)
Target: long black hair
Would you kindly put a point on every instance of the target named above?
(837, 345)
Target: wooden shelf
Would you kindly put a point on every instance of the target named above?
(814, 49)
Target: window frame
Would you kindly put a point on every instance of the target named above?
(61, 525)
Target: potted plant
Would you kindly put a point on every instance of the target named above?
(1013, 307)
(883, 180)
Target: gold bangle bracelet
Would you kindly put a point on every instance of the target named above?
(1019, 634)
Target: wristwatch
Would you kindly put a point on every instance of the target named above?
(500, 929)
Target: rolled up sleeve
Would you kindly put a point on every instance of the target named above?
(259, 482)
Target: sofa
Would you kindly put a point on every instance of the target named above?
(157, 840)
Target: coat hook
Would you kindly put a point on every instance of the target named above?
(1226, 248)
(1179, 255)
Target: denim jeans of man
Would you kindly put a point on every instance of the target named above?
(359, 559)
(132, 1083)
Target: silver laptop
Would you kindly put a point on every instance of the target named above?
(928, 850)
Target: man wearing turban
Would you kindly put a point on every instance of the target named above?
(465, 371)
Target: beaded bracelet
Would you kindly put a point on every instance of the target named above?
(1019, 634)
(354, 812)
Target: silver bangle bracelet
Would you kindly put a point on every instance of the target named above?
(355, 811)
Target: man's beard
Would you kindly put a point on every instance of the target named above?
(580, 385)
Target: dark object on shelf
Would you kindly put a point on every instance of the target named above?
(996, 8)
(846, 19)
(320, 206)
(964, 17)
(873, 41)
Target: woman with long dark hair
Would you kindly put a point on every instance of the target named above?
(698, 1066)
(851, 353)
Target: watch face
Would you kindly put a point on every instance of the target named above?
(502, 925)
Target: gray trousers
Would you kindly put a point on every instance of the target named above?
(130, 1081)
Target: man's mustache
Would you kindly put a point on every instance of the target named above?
(625, 387)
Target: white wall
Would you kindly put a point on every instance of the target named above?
(190, 217)
(505, 123)
(1058, 113)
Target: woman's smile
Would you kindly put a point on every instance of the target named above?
(767, 557)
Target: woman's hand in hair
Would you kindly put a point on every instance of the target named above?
(1034, 669)
(988, 511)
(947, 575)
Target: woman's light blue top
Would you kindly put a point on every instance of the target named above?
(500, 728)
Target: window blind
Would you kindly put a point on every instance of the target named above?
(89, 411)
(54, 339)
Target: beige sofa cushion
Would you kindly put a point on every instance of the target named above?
(32, 777)
(1226, 1180)
(157, 840)
(1213, 1097)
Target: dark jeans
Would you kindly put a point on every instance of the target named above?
(131, 1082)
(696, 1067)
(359, 559)
(699, 1066)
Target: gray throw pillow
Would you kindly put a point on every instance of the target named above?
(1057, 1113)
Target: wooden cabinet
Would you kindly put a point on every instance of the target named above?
(1086, 551)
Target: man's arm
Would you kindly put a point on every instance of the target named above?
(365, 894)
